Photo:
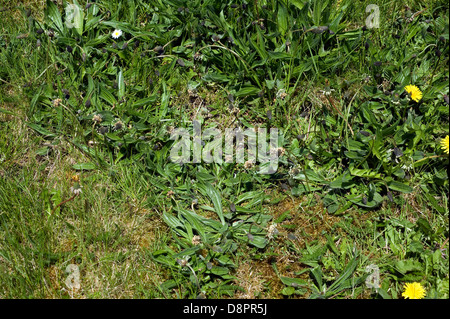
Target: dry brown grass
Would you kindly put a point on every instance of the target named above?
(14, 8)
(304, 224)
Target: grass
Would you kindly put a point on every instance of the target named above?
(362, 182)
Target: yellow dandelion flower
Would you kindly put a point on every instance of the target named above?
(444, 144)
(414, 92)
(413, 291)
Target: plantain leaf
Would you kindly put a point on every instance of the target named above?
(120, 85)
(293, 282)
(299, 3)
(52, 13)
(78, 19)
(215, 197)
(108, 96)
(246, 91)
(343, 181)
(84, 166)
(175, 224)
(41, 130)
(215, 77)
(368, 173)
(399, 187)
(282, 19)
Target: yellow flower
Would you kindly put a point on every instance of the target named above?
(414, 291)
(444, 144)
(414, 92)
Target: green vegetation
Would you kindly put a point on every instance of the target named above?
(86, 179)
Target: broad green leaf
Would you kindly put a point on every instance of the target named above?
(175, 224)
(215, 197)
(413, 31)
(84, 166)
(43, 151)
(309, 175)
(108, 96)
(282, 18)
(368, 173)
(96, 41)
(355, 145)
(41, 130)
(215, 77)
(195, 222)
(331, 209)
(219, 271)
(335, 23)
(186, 252)
(377, 144)
(399, 187)
(340, 283)
(279, 56)
(251, 90)
(354, 155)
(52, 13)
(343, 181)
(317, 11)
(145, 101)
(331, 244)
(113, 136)
(258, 241)
(368, 113)
(248, 196)
(408, 265)
(120, 85)
(317, 274)
(287, 291)
(360, 201)
(78, 19)
(124, 26)
(299, 3)
(383, 293)
(294, 282)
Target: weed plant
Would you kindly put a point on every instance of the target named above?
(356, 209)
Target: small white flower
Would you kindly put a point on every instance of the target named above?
(97, 118)
(407, 167)
(388, 154)
(248, 164)
(272, 231)
(116, 33)
(281, 94)
(183, 262)
(196, 240)
(327, 91)
(76, 189)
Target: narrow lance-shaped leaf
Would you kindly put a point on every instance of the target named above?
(120, 84)
(78, 18)
(215, 197)
(282, 19)
(346, 273)
(399, 187)
(52, 13)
